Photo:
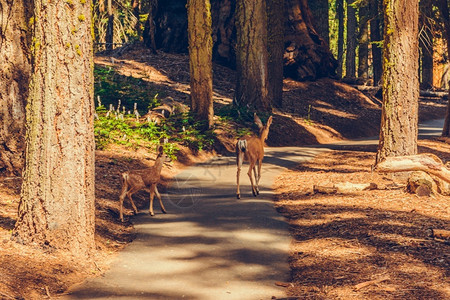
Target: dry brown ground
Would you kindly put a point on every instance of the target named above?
(370, 244)
(319, 112)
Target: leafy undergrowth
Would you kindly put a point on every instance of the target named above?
(370, 244)
(128, 98)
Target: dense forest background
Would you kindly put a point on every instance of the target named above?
(351, 30)
(89, 89)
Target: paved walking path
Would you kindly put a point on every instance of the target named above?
(210, 245)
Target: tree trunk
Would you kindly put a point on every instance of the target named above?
(443, 8)
(426, 45)
(320, 10)
(307, 56)
(275, 48)
(136, 13)
(200, 60)
(110, 27)
(399, 117)
(350, 58)
(340, 17)
(14, 80)
(363, 54)
(375, 37)
(171, 32)
(149, 30)
(252, 85)
(57, 200)
(224, 32)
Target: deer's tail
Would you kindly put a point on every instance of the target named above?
(124, 179)
(241, 148)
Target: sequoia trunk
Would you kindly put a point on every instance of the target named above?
(57, 199)
(200, 59)
(350, 58)
(399, 123)
(375, 38)
(320, 10)
(443, 8)
(14, 79)
(307, 56)
(251, 55)
(275, 48)
(426, 44)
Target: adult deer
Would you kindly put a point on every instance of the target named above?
(136, 180)
(252, 149)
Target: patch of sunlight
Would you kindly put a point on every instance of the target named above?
(338, 113)
(252, 236)
(328, 218)
(335, 248)
(269, 201)
(398, 238)
(392, 222)
(414, 266)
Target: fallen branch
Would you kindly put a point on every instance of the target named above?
(344, 187)
(428, 163)
(440, 234)
(47, 291)
(370, 282)
(283, 284)
(7, 296)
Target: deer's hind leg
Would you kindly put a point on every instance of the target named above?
(163, 209)
(123, 193)
(129, 194)
(240, 160)
(152, 195)
(259, 175)
(249, 173)
(255, 174)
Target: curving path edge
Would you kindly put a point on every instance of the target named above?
(211, 245)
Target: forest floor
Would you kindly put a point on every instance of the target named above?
(339, 241)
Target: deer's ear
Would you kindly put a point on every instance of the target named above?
(160, 149)
(269, 121)
(258, 121)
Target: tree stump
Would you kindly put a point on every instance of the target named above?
(421, 184)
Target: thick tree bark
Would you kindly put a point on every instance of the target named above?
(149, 30)
(136, 13)
(426, 44)
(200, 60)
(443, 8)
(275, 48)
(352, 34)
(171, 32)
(375, 37)
(307, 56)
(14, 80)
(224, 32)
(57, 200)
(320, 12)
(363, 54)
(252, 84)
(399, 117)
(340, 17)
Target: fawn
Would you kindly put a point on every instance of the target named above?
(252, 149)
(136, 180)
